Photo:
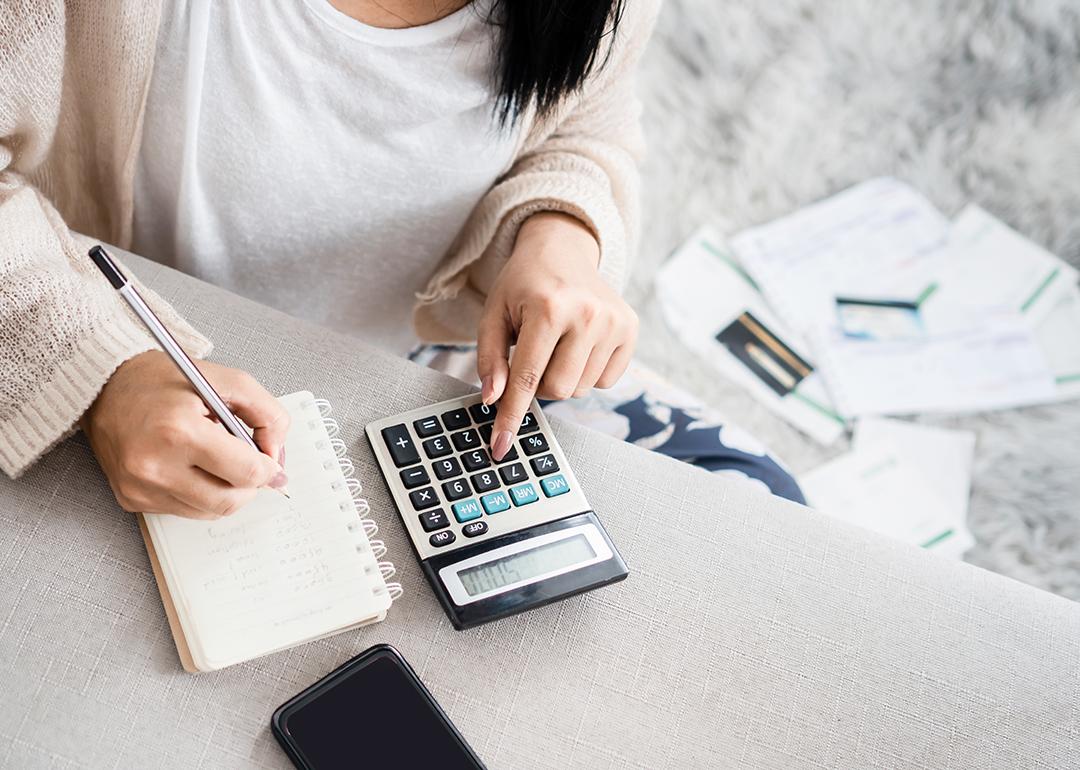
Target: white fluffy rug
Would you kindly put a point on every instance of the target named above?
(756, 108)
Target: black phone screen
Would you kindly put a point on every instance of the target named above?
(373, 712)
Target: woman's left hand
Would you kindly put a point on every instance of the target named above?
(572, 331)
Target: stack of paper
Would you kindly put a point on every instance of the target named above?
(718, 312)
(904, 480)
(984, 313)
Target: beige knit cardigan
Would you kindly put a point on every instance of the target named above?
(73, 84)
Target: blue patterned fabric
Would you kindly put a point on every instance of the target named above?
(650, 412)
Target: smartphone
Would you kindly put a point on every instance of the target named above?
(371, 712)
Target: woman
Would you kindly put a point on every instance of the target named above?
(337, 159)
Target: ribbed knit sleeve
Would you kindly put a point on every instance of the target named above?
(581, 161)
(63, 329)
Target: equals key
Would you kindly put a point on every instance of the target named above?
(401, 445)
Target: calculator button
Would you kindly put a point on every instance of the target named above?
(424, 498)
(483, 412)
(439, 539)
(511, 474)
(437, 447)
(456, 489)
(528, 424)
(485, 432)
(495, 502)
(456, 419)
(429, 426)
(524, 494)
(414, 477)
(433, 520)
(447, 468)
(475, 460)
(485, 482)
(510, 456)
(532, 445)
(401, 446)
(474, 528)
(554, 486)
(467, 439)
(467, 510)
(544, 465)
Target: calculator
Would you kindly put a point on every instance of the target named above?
(493, 538)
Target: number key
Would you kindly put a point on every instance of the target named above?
(467, 439)
(511, 474)
(437, 447)
(485, 482)
(483, 412)
(455, 490)
(475, 460)
(534, 444)
(447, 468)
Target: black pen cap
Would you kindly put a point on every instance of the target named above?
(107, 266)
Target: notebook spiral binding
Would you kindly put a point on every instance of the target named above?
(363, 510)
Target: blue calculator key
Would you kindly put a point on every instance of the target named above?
(554, 485)
(467, 510)
(495, 502)
(524, 494)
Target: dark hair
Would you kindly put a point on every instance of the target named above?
(546, 49)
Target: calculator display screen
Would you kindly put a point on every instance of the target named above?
(525, 565)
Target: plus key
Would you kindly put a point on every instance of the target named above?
(401, 445)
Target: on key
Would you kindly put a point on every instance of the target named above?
(401, 446)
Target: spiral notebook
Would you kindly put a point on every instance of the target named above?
(280, 571)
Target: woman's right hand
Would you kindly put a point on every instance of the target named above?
(162, 450)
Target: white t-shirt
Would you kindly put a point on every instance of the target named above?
(314, 163)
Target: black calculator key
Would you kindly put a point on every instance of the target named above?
(447, 468)
(433, 520)
(401, 445)
(485, 432)
(456, 419)
(512, 474)
(485, 482)
(437, 447)
(475, 460)
(474, 528)
(456, 489)
(466, 440)
(544, 465)
(528, 424)
(424, 498)
(511, 454)
(533, 445)
(429, 426)
(439, 539)
(414, 477)
(483, 412)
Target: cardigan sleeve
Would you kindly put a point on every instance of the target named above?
(63, 330)
(582, 161)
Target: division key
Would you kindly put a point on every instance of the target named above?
(401, 445)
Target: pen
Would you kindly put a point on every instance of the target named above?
(186, 366)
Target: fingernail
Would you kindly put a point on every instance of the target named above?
(281, 456)
(501, 445)
(279, 480)
(486, 389)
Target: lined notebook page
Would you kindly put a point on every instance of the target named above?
(279, 571)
